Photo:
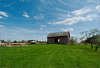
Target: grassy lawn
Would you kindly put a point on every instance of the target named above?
(49, 56)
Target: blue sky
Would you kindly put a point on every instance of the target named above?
(34, 19)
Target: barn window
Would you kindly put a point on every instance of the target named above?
(57, 40)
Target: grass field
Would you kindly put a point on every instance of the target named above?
(49, 56)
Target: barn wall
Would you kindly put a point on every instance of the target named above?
(50, 40)
(68, 39)
(63, 40)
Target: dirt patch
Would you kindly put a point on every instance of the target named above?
(13, 44)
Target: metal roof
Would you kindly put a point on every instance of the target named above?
(58, 34)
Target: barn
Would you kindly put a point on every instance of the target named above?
(58, 38)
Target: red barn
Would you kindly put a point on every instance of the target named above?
(58, 38)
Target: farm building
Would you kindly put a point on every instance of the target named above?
(58, 38)
(33, 42)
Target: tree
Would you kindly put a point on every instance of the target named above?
(14, 41)
(73, 40)
(23, 41)
(3, 41)
(91, 36)
(85, 34)
(91, 40)
(88, 34)
(97, 39)
(29, 41)
(81, 39)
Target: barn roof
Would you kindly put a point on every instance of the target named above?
(58, 34)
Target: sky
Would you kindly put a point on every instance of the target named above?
(35, 19)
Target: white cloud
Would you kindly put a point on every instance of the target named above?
(1, 17)
(41, 28)
(1, 26)
(98, 8)
(49, 23)
(92, 0)
(3, 14)
(60, 10)
(18, 33)
(26, 30)
(81, 15)
(81, 11)
(42, 1)
(71, 21)
(25, 0)
(69, 29)
(90, 17)
(39, 17)
(25, 15)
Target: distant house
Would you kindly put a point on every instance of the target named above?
(58, 38)
(33, 42)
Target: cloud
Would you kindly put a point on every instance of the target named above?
(81, 11)
(18, 33)
(90, 17)
(92, 0)
(25, 15)
(3, 14)
(9, 5)
(71, 21)
(39, 17)
(61, 10)
(49, 23)
(25, 0)
(69, 29)
(43, 1)
(41, 28)
(81, 15)
(1, 17)
(98, 8)
(26, 30)
(1, 26)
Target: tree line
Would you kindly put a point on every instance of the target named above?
(22, 41)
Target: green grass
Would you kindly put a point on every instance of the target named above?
(49, 56)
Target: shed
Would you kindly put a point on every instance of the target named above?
(33, 42)
(58, 38)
